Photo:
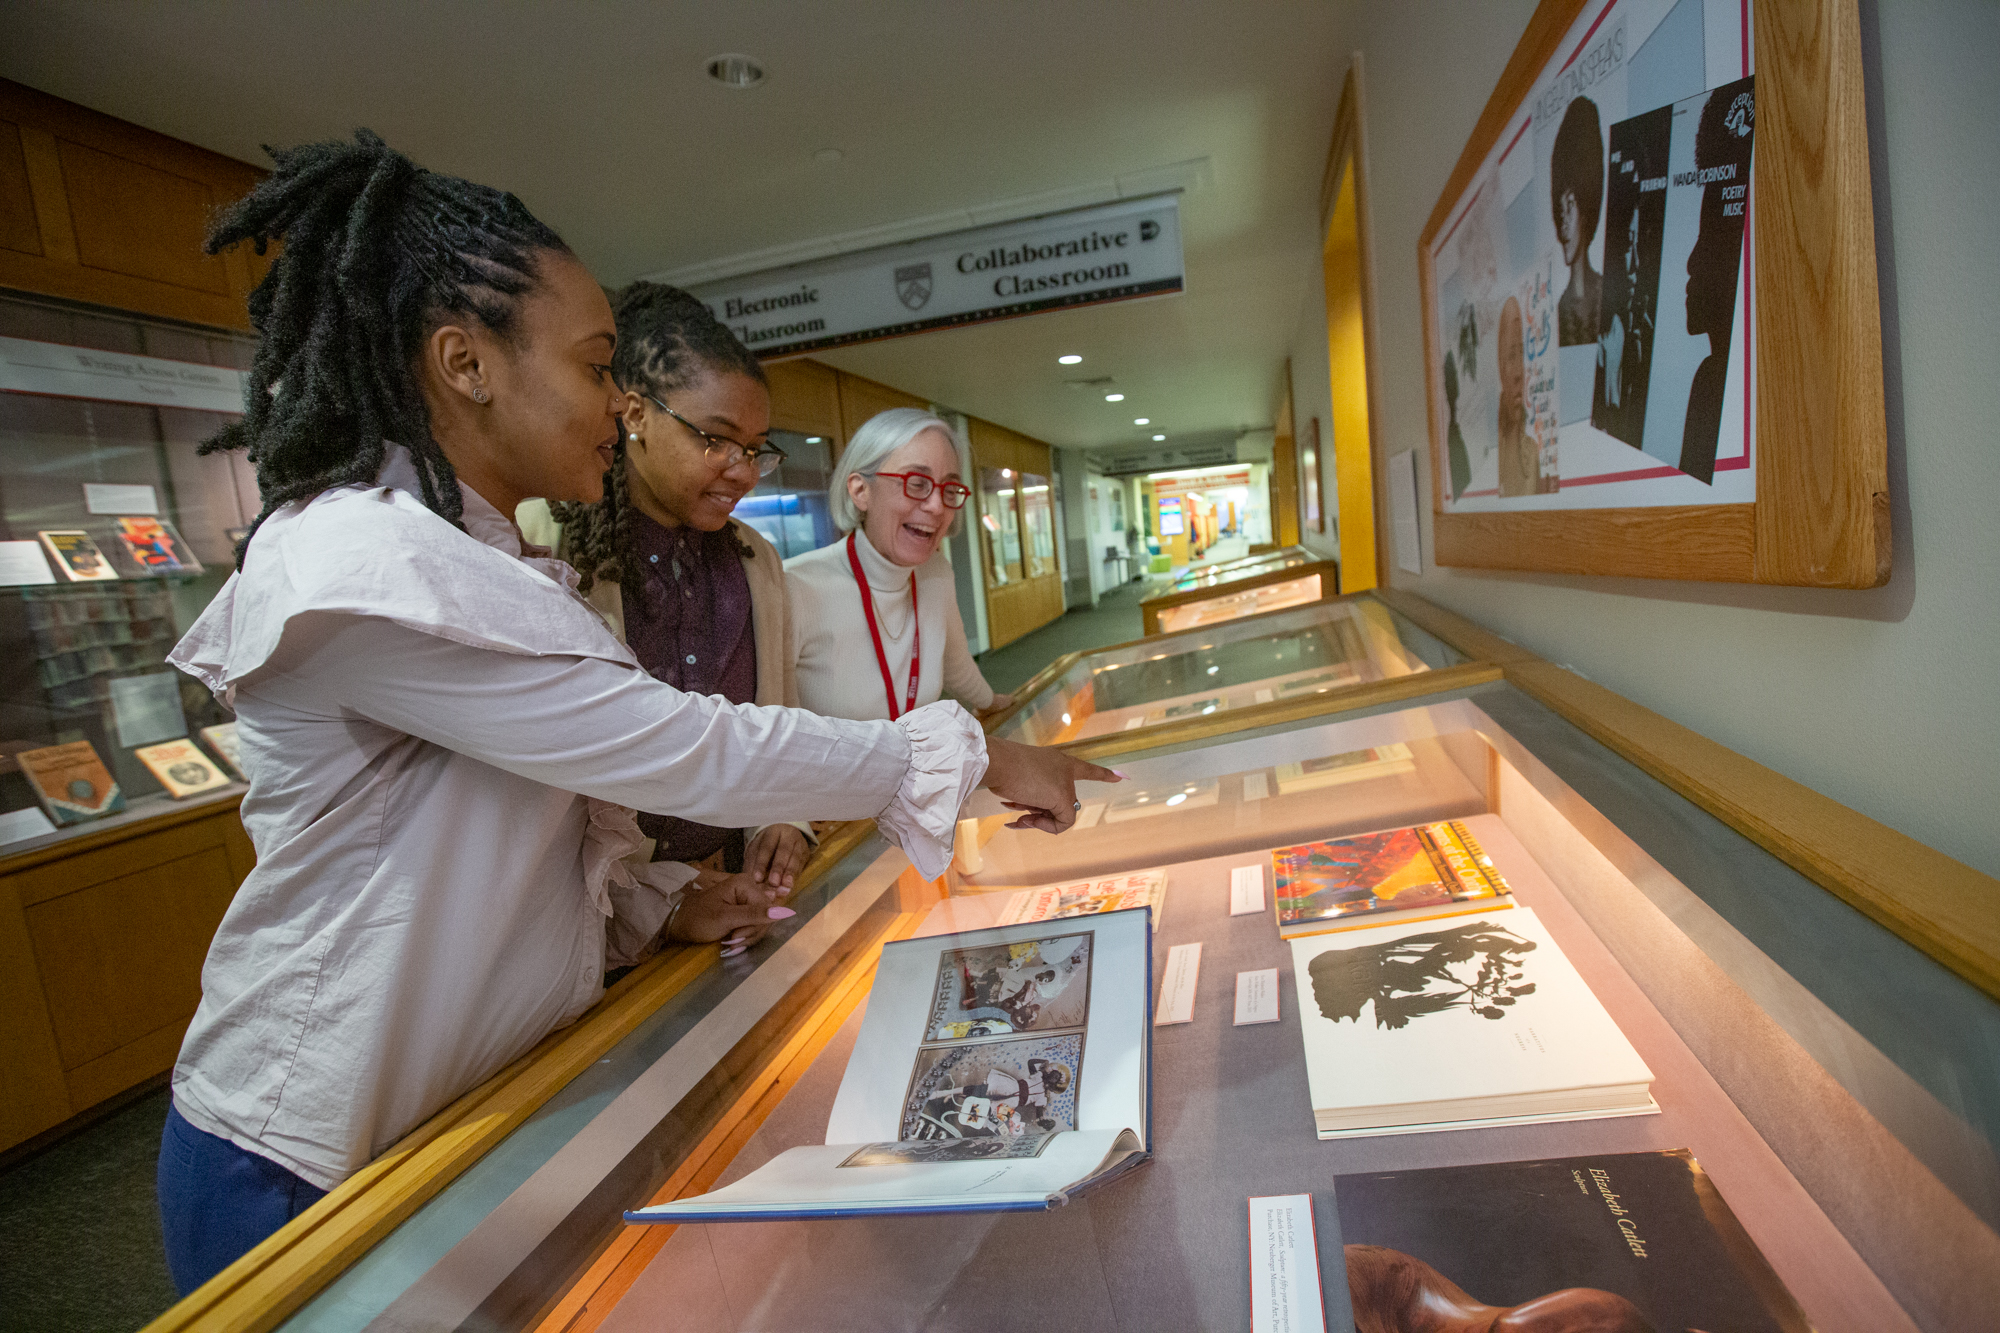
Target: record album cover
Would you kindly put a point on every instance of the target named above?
(71, 781)
(1623, 1241)
(153, 547)
(76, 557)
(181, 768)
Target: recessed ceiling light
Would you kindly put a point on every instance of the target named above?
(1159, 437)
(1142, 421)
(1114, 397)
(735, 71)
(1070, 360)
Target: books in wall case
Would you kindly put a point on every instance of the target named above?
(71, 782)
(1418, 873)
(181, 768)
(1457, 1023)
(997, 1070)
(1618, 1241)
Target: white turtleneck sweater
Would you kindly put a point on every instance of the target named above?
(838, 674)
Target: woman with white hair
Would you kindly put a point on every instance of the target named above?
(875, 623)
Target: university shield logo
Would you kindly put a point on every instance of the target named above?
(913, 285)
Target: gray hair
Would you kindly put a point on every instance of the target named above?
(878, 437)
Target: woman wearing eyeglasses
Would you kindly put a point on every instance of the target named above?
(875, 616)
(698, 597)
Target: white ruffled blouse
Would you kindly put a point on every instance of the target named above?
(445, 745)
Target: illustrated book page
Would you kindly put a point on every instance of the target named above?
(996, 1069)
(1418, 873)
(1088, 897)
(1430, 1025)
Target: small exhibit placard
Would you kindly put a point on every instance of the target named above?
(1257, 997)
(1246, 890)
(1284, 1266)
(1177, 990)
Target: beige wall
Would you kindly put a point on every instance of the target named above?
(1886, 700)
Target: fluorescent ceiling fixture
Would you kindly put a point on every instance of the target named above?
(812, 439)
(1114, 397)
(1142, 421)
(735, 71)
(1070, 360)
(1159, 437)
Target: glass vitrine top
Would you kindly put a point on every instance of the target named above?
(1224, 605)
(1249, 566)
(1309, 650)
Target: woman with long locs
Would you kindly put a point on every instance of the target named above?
(445, 743)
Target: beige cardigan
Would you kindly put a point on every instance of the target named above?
(770, 604)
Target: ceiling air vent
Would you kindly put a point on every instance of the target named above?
(736, 71)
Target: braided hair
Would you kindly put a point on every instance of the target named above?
(667, 340)
(377, 253)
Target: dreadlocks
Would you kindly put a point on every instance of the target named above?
(667, 340)
(377, 252)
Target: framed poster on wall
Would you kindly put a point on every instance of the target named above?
(1652, 331)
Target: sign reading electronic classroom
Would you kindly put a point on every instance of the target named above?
(1110, 252)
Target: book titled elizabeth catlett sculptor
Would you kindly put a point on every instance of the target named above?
(997, 1070)
(1617, 1241)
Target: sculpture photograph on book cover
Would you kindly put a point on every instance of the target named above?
(1033, 986)
(1621, 1241)
(996, 1089)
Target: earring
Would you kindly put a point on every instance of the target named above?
(480, 395)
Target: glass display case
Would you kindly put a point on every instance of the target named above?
(1244, 592)
(1038, 521)
(1000, 521)
(1835, 1082)
(114, 534)
(1306, 652)
(1228, 571)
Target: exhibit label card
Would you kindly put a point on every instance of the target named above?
(1246, 890)
(23, 563)
(1257, 997)
(1284, 1266)
(1177, 991)
(20, 825)
(102, 498)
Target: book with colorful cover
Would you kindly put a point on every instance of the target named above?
(1089, 897)
(1354, 766)
(1373, 879)
(181, 768)
(71, 782)
(228, 747)
(1612, 1241)
(152, 547)
(76, 557)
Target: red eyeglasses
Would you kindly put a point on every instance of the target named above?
(919, 485)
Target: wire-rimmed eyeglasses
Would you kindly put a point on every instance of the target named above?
(724, 453)
(919, 485)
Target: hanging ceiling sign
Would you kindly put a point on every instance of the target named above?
(1110, 252)
(62, 371)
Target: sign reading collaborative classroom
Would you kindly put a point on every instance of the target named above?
(1111, 252)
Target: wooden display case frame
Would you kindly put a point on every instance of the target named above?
(1328, 570)
(1925, 897)
(1821, 516)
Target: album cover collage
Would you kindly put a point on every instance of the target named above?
(1591, 288)
(1001, 1061)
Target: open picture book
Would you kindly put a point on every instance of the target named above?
(996, 1070)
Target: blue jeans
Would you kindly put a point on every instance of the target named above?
(218, 1200)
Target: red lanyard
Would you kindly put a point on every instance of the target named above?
(875, 633)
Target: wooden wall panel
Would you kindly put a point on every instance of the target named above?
(18, 230)
(805, 397)
(861, 399)
(102, 940)
(118, 214)
(135, 219)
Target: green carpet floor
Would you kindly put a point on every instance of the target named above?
(80, 1229)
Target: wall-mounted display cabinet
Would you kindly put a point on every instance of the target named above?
(1827, 1062)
